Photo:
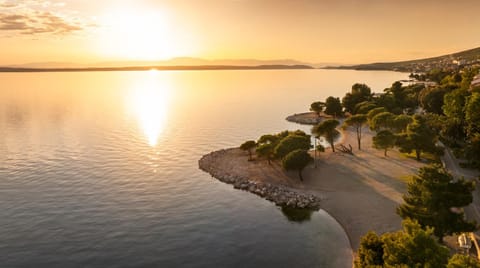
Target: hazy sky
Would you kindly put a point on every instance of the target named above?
(339, 31)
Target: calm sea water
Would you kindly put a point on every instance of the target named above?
(100, 169)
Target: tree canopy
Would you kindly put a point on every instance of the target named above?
(431, 99)
(400, 122)
(317, 107)
(430, 198)
(472, 114)
(327, 129)
(413, 247)
(248, 146)
(291, 143)
(463, 261)
(333, 106)
(382, 121)
(266, 150)
(364, 107)
(372, 113)
(410, 247)
(370, 252)
(418, 137)
(384, 140)
(297, 160)
(358, 94)
(357, 122)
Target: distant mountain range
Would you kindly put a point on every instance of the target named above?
(159, 68)
(464, 58)
(469, 57)
(182, 61)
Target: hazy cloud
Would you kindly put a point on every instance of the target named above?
(34, 17)
(8, 5)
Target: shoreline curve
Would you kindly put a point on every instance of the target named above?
(280, 195)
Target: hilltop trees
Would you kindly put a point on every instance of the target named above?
(356, 122)
(430, 198)
(327, 129)
(297, 160)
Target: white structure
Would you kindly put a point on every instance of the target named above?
(475, 81)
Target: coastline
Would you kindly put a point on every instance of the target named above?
(360, 191)
(278, 193)
(307, 118)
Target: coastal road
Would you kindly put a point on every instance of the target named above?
(472, 211)
(452, 165)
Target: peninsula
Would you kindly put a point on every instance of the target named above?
(360, 191)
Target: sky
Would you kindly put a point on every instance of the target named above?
(314, 31)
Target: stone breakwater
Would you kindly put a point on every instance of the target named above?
(278, 194)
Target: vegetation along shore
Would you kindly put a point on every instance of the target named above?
(384, 171)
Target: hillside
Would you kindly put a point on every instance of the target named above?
(469, 57)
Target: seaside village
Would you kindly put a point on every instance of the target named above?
(397, 169)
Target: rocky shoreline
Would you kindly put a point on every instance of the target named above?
(308, 118)
(278, 194)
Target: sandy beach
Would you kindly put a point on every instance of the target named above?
(360, 191)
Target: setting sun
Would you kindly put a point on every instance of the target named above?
(137, 34)
(239, 133)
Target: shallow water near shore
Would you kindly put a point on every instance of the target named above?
(100, 169)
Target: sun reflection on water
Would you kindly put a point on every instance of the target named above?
(148, 101)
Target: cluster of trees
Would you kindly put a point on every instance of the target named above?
(328, 130)
(389, 114)
(408, 133)
(332, 106)
(397, 99)
(428, 213)
(454, 111)
(289, 147)
(413, 118)
(451, 113)
(410, 247)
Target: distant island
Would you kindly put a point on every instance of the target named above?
(467, 58)
(159, 68)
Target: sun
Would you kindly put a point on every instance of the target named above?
(141, 34)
